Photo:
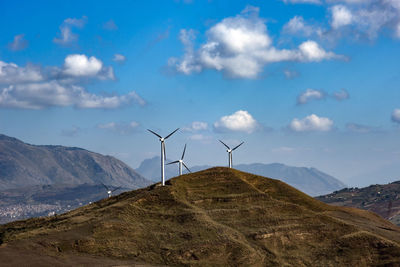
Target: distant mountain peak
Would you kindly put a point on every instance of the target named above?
(24, 164)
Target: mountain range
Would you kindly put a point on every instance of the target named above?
(24, 165)
(216, 217)
(309, 180)
(383, 199)
(41, 180)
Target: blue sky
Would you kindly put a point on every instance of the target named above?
(303, 82)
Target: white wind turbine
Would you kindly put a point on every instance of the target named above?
(163, 154)
(109, 191)
(229, 150)
(181, 162)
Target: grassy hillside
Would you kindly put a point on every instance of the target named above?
(382, 199)
(216, 217)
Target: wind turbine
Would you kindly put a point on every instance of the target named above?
(109, 191)
(181, 162)
(163, 154)
(230, 151)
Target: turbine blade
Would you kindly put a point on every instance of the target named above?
(225, 145)
(154, 133)
(183, 154)
(171, 134)
(105, 186)
(238, 146)
(176, 161)
(116, 189)
(186, 167)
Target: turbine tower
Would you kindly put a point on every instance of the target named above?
(181, 162)
(109, 191)
(229, 150)
(163, 154)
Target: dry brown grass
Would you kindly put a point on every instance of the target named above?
(215, 217)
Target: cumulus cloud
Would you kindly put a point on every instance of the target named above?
(19, 43)
(311, 123)
(66, 36)
(196, 126)
(53, 93)
(396, 115)
(119, 58)
(240, 47)
(356, 19)
(298, 26)
(341, 16)
(309, 95)
(240, 121)
(342, 94)
(12, 73)
(82, 66)
(121, 128)
(32, 87)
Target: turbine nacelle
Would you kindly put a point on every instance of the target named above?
(181, 162)
(163, 153)
(230, 150)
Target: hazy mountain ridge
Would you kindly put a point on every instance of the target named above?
(381, 199)
(42, 200)
(23, 164)
(309, 180)
(219, 217)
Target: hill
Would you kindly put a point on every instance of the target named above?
(24, 165)
(381, 199)
(219, 217)
(308, 180)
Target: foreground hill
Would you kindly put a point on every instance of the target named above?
(24, 165)
(219, 217)
(381, 199)
(308, 180)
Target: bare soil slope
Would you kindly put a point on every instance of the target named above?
(219, 217)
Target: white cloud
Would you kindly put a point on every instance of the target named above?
(356, 19)
(310, 94)
(240, 121)
(12, 73)
(81, 65)
(66, 36)
(119, 58)
(52, 93)
(297, 26)
(396, 115)
(240, 47)
(31, 87)
(341, 95)
(121, 128)
(310, 51)
(311, 123)
(341, 16)
(196, 126)
(19, 43)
